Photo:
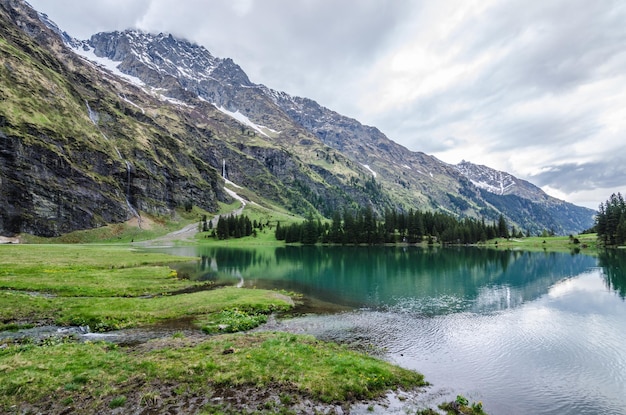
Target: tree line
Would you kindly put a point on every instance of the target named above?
(611, 221)
(414, 226)
(232, 226)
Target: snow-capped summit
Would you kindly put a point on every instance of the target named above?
(484, 177)
(179, 69)
(499, 182)
(160, 53)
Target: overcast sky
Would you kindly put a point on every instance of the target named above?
(536, 88)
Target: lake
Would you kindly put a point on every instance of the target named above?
(523, 332)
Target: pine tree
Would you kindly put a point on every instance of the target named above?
(503, 230)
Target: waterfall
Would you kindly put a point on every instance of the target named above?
(93, 116)
(128, 168)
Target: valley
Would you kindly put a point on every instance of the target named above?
(126, 156)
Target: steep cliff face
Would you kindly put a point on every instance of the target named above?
(73, 154)
(35, 191)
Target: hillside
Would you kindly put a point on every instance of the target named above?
(96, 131)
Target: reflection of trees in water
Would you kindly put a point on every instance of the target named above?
(613, 263)
(382, 274)
(461, 272)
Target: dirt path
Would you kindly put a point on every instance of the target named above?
(185, 234)
(188, 233)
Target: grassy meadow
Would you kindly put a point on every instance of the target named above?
(584, 243)
(113, 286)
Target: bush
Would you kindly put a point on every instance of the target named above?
(234, 320)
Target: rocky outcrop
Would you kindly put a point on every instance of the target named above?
(66, 166)
(44, 192)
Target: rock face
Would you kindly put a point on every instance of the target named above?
(66, 164)
(148, 126)
(45, 194)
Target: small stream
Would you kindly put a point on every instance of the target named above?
(124, 337)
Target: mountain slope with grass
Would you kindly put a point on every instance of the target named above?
(83, 147)
(97, 131)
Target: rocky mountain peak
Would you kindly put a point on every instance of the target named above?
(161, 53)
(500, 182)
(494, 181)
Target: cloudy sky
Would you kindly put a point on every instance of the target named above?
(536, 88)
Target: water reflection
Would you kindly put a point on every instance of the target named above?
(429, 281)
(613, 263)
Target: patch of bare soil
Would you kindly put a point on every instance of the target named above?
(185, 234)
(153, 398)
(9, 240)
(146, 223)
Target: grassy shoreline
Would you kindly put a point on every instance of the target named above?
(114, 286)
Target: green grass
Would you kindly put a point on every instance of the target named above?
(326, 371)
(108, 287)
(153, 227)
(87, 270)
(260, 214)
(103, 314)
(110, 313)
(110, 376)
(587, 243)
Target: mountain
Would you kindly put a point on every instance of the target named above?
(523, 202)
(95, 131)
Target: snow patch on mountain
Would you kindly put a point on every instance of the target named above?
(370, 169)
(132, 103)
(242, 119)
(87, 52)
(174, 101)
(488, 179)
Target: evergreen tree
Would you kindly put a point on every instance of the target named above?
(503, 230)
(222, 228)
(611, 221)
(349, 228)
(336, 230)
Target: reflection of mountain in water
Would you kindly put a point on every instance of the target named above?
(613, 263)
(424, 280)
